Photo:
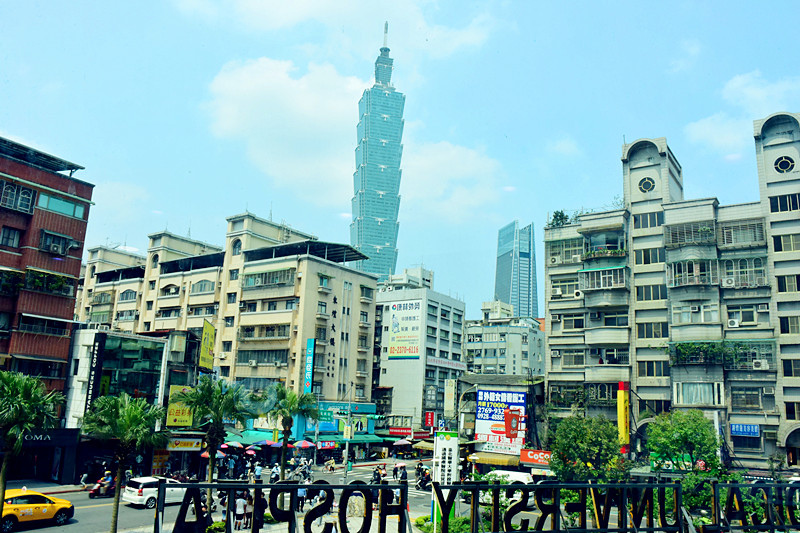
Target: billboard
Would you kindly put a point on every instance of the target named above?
(449, 398)
(178, 415)
(490, 425)
(405, 334)
(207, 345)
(308, 376)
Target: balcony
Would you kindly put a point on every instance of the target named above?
(362, 324)
(363, 348)
(361, 373)
(607, 373)
(605, 298)
(322, 316)
(607, 335)
(745, 355)
(322, 289)
(600, 252)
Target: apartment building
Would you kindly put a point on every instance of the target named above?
(691, 302)
(501, 343)
(268, 292)
(420, 334)
(43, 214)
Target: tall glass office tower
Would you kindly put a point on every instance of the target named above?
(515, 276)
(376, 181)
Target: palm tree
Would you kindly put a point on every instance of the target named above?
(129, 421)
(287, 405)
(25, 406)
(212, 403)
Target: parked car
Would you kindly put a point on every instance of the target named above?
(144, 491)
(27, 507)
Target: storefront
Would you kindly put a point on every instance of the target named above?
(184, 449)
(47, 455)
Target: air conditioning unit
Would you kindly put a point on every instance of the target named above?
(594, 351)
(555, 318)
(763, 308)
(223, 355)
(595, 316)
(576, 258)
(695, 309)
(760, 364)
(733, 323)
(728, 283)
(55, 248)
(761, 281)
(771, 435)
(555, 353)
(577, 294)
(253, 362)
(555, 260)
(769, 391)
(557, 292)
(294, 328)
(242, 305)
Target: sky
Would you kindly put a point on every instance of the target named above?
(185, 112)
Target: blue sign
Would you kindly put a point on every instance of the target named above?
(745, 430)
(309, 375)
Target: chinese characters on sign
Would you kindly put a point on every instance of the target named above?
(490, 421)
(178, 415)
(745, 430)
(309, 370)
(207, 345)
(405, 321)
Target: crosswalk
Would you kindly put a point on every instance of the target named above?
(365, 475)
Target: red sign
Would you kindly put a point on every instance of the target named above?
(401, 432)
(430, 419)
(535, 457)
(326, 444)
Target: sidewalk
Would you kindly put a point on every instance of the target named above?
(45, 487)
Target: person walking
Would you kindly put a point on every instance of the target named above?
(301, 498)
(403, 474)
(257, 472)
(239, 511)
(394, 472)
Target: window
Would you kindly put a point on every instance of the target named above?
(742, 232)
(648, 220)
(236, 247)
(231, 297)
(790, 325)
(649, 256)
(169, 312)
(752, 444)
(233, 274)
(18, 198)
(695, 314)
(59, 205)
(652, 330)
(792, 410)
(127, 296)
(646, 293)
(152, 285)
(690, 233)
(788, 283)
(431, 331)
(360, 391)
(224, 371)
(656, 407)
(55, 243)
(203, 286)
(744, 272)
(322, 308)
(324, 281)
(444, 334)
(272, 305)
(615, 319)
(364, 317)
(617, 356)
(149, 305)
(745, 314)
(564, 286)
(572, 321)
(227, 346)
(202, 310)
(565, 251)
(262, 357)
(10, 237)
(603, 279)
(746, 397)
(653, 369)
(275, 278)
(701, 272)
(782, 203)
(783, 243)
(363, 341)
(699, 394)
(367, 292)
(573, 357)
(228, 321)
(250, 307)
(127, 315)
(791, 368)
(292, 304)
(39, 281)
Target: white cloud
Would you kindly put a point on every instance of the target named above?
(509, 188)
(758, 97)
(689, 51)
(299, 128)
(720, 132)
(564, 146)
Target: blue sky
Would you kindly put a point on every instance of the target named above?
(187, 111)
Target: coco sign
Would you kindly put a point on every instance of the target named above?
(535, 457)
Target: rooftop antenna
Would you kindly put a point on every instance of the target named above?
(386, 34)
(189, 231)
(270, 211)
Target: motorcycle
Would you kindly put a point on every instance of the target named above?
(423, 483)
(95, 492)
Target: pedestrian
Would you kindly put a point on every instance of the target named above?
(223, 503)
(248, 511)
(403, 474)
(241, 508)
(84, 479)
(394, 472)
(257, 472)
(301, 498)
(259, 508)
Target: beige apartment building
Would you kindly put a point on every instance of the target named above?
(695, 304)
(267, 292)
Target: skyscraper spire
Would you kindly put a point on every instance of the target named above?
(386, 34)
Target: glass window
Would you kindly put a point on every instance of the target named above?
(231, 297)
(745, 314)
(202, 286)
(228, 321)
(573, 357)
(785, 202)
(649, 256)
(364, 317)
(127, 295)
(790, 325)
(324, 281)
(572, 321)
(651, 292)
(322, 308)
(272, 305)
(233, 274)
(652, 330)
(791, 368)
(615, 319)
(788, 283)
(653, 369)
(60, 205)
(236, 247)
(10, 237)
(746, 397)
(787, 243)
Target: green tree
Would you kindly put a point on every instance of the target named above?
(285, 404)
(587, 449)
(684, 439)
(212, 403)
(131, 422)
(559, 218)
(25, 406)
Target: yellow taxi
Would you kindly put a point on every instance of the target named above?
(27, 507)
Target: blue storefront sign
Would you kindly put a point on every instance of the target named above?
(745, 430)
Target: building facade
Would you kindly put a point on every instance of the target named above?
(515, 274)
(692, 302)
(43, 213)
(267, 292)
(376, 181)
(500, 343)
(419, 333)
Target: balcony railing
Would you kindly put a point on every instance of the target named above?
(35, 328)
(749, 355)
(599, 252)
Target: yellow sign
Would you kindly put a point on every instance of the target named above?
(178, 415)
(185, 445)
(623, 410)
(207, 345)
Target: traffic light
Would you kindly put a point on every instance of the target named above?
(342, 412)
(376, 417)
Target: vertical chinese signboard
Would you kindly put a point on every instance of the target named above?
(308, 375)
(178, 415)
(490, 425)
(207, 345)
(405, 321)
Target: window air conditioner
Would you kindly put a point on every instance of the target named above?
(576, 258)
(733, 323)
(595, 316)
(55, 248)
(555, 260)
(242, 305)
(769, 391)
(594, 351)
(253, 362)
(555, 318)
(555, 353)
(760, 364)
(223, 355)
(578, 294)
(763, 308)
(728, 282)
(557, 292)
(695, 309)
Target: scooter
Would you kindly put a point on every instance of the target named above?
(95, 492)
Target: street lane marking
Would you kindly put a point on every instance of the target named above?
(95, 505)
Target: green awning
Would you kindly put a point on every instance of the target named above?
(357, 439)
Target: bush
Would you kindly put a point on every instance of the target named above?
(268, 519)
(216, 527)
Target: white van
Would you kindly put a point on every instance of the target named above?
(511, 476)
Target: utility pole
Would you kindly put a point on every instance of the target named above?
(348, 430)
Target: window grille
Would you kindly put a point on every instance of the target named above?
(741, 233)
(690, 233)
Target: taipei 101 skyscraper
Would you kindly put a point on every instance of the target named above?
(376, 180)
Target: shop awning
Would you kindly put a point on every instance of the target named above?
(43, 317)
(423, 445)
(489, 458)
(250, 436)
(38, 358)
(357, 439)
